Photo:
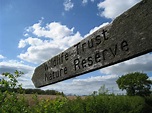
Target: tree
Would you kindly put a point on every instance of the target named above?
(135, 84)
(102, 90)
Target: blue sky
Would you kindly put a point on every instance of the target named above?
(33, 31)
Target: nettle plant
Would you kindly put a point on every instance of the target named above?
(10, 101)
(10, 82)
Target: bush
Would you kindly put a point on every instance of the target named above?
(11, 102)
(105, 104)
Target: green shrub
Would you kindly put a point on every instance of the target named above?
(105, 104)
(11, 102)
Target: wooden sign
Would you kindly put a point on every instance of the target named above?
(128, 36)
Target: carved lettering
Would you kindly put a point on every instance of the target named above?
(104, 53)
(66, 56)
(97, 57)
(90, 43)
(101, 56)
(55, 74)
(104, 34)
(90, 61)
(98, 39)
(83, 46)
(57, 60)
(124, 45)
(83, 63)
(77, 47)
(45, 66)
(113, 50)
(65, 70)
(76, 64)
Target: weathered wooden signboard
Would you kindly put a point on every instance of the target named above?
(128, 36)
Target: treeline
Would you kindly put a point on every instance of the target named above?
(32, 91)
(44, 92)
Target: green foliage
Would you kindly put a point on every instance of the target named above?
(48, 106)
(105, 104)
(135, 84)
(90, 104)
(10, 81)
(11, 102)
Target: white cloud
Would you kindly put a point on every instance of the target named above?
(52, 30)
(51, 39)
(84, 1)
(112, 8)
(142, 64)
(26, 35)
(30, 41)
(12, 65)
(68, 5)
(2, 57)
(88, 85)
(96, 28)
(41, 53)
